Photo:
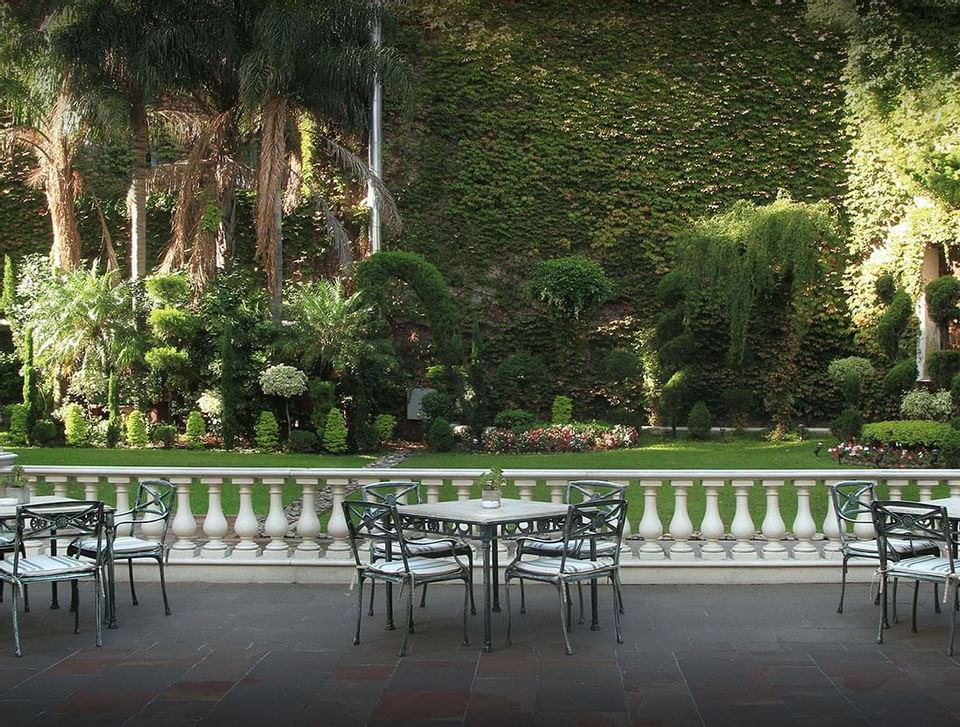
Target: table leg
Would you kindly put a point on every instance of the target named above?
(495, 573)
(54, 600)
(389, 596)
(111, 576)
(485, 543)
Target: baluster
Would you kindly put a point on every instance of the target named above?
(308, 526)
(804, 528)
(215, 523)
(650, 527)
(433, 489)
(246, 526)
(122, 516)
(831, 547)
(925, 488)
(463, 486)
(863, 527)
(276, 524)
(681, 528)
(625, 548)
(89, 483)
(954, 486)
(525, 487)
(558, 489)
(339, 548)
(711, 528)
(184, 523)
(32, 482)
(772, 527)
(895, 489)
(742, 527)
(59, 483)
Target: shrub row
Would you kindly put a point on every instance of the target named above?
(563, 438)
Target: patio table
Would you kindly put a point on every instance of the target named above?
(9, 512)
(469, 519)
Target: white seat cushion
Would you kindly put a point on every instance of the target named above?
(48, 565)
(121, 546)
(902, 547)
(921, 565)
(604, 547)
(550, 565)
(418, 566)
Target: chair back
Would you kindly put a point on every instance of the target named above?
(589, 522)
(851, 504)
(49, 521)
(397, 492)
(375, 522)
(152, 508)
(911, 521)
(579, 491)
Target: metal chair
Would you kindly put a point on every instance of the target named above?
(380, 523)
(578, 491)
(407, 492)
(920, 523)
(588, 526)
(148, 522)
(851, 503)
(42, 523)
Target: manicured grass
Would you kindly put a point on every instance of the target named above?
(96, 457)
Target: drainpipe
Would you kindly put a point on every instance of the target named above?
(375, 151)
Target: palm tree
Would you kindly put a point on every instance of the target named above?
(37, 117)
(123, 55)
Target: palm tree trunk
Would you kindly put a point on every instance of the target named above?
(65, 253)
(137, 196)
(270, 180)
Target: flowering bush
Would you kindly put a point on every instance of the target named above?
(283, 380)
(561, 438)
(880, 456)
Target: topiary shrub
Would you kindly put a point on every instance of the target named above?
(163, 434)
(365, 436)
(840, 368)
(909, 433)
(76, 429)
(699, 421)
(17, 416)
(942, 367)
(901, 377)
(514, 419)
(335, 432)
(136, 429)
(43, 433)
(521, 381)
(562, 410)
(440, 435)
(385, 425)
(942, 295)
(196, 430)
(322, 399)
(438, 404)
(921, 404)
(267, 434)
(571, 285)
(848, 425)
(885, 287)
(893, 323)
(672, 399)
(302, 441)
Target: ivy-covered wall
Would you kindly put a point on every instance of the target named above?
(560, 127)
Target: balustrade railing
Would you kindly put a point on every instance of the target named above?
(715, 517)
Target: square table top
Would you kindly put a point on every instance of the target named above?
(473, 512)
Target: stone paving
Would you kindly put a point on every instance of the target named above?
(274, 655)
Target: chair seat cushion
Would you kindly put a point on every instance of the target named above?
(38, 566)
(578, 548)
(124, 545)
(418, 566)
(930, 566)
(902, 547)
(419, 546)
(550, 565)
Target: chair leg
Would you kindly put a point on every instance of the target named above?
(409, 622)
(356, 636)
(16, 618)
(466, 600)
(75, 604)
(916, 596)
(883, 609)
(26, 598)
(580, 595)
(936, 598)
(423, 596)
(163, 587)
(133, 590)
(523, 598)
(953, 622)
(896, 616)
(617, 605)
(473, 605)
(569, 602)
(98, 602)
(506, 593)
(843, 585)
(373, 585)
(565, 616)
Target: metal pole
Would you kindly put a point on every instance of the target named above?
(375, 152)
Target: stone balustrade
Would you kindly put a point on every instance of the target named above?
(721, 535)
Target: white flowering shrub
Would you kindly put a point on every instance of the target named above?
(922, 404)
(283, 380)
(210, 403)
